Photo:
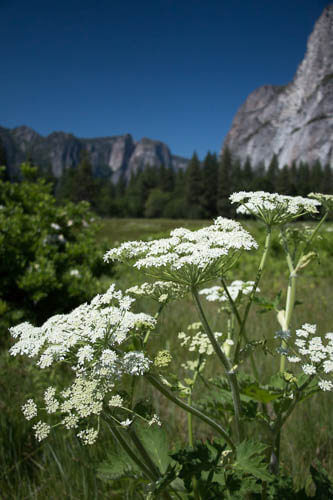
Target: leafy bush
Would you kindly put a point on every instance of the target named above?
(49, 260)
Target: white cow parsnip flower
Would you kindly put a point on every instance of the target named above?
(235, 289)
(92, 339)
(273, 208)
(188, 258)
(325, 199)
(315, 355)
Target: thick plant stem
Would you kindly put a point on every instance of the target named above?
(290, 303)
(239, 320)
(133, 456)
(254, 288)
(190, 423)
(205, 418)
(229, 370)
(320, 223)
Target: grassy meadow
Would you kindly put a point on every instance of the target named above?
(60, 467)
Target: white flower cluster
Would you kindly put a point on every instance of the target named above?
(236, 289)
(80, 334)
(325, 199)
(273, 208)
(318, 356)
(188, 257)
(89, 339)
(198, 342)
(161, 291)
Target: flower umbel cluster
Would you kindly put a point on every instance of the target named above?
(315, 356)
(160, 291)
(94, 340)
(273, 208)
(236, 289)
(188, 257)
(325, 199)
(199, 341)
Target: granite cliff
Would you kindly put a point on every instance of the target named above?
(113, 156)
(294, 121)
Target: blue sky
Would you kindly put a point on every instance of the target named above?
(172, 70)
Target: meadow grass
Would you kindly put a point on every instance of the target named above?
(62, 467)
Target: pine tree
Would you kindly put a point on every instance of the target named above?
(293, 177)
(84, 186)
(316, 177)
(166, 179)
(224, 183)
(3, 160)
(247, 175)
(272, 174)
(236, 177)
(327, 180)
(209, 185)
(283, 181)
(193, 188)
(304, 187)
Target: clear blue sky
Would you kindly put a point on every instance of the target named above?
(172, 70)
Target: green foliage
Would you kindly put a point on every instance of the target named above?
(49, 260)
(117, 465)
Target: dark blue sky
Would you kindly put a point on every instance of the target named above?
(173, 70)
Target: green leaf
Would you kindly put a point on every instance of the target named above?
(155, 440)
(324, 486)
(117, 465)
(250, 458)
(259, 394)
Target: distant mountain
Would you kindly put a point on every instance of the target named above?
(110, 156)
(294, 121)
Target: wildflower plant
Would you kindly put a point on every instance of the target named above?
(109, 350)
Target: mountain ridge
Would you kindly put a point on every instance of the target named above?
(292, 121)
(116, 156)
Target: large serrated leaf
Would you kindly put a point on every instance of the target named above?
(116, 465)
(259, 394)
(249, 460)
(155, 440)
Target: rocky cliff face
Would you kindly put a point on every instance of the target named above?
(109, 155)
(294, 121)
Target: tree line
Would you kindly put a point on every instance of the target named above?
(199, 191)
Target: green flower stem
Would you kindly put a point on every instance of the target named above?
(239, 320)
(268, 240)
(133, 456)
(290, 303)
(189, 422)
(281, 420)
(229, 370)
(160, 309)
(205, 418)
(320, 223)
(189, 402)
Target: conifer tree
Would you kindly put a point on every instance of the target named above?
(209, 185)
(283, 181)
(327, 180)
(316, 177)
(247, 175)
(193, 188)
(304, 186)
(224, 183)
(3, 160)
(84, 186)
(236, 177)
(272, 174)
(293, 178)
(166, 179)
